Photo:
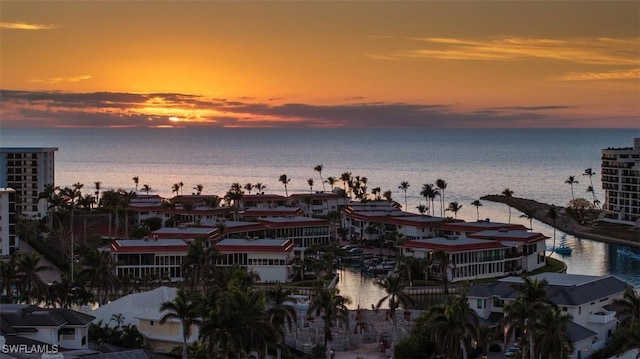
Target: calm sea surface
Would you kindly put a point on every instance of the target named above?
(534, 163)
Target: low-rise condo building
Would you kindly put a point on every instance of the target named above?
(318, 203)
(303, 231)
(269, 258)
(621, 184)
(139, 258)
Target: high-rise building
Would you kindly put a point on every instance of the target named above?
(8, 240)
(28, 171)
(621, 184)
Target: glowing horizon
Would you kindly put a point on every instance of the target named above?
(320, 64)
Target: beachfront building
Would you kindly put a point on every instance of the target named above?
(621, 184)
(263, 201)
(140, 258)
(484, 254)
(303, 231)
(368, 220)
(587, 298)
(8, 239)
(464, 229)
(143, 310)
(270, 259)
(255, 213)
(318, 203)
(186, 233)
(56, 328)
(413, 227)
(28, 170)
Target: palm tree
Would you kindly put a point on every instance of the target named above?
(279, 312)
(534, 296)
(184, 309)
(429, 192)
(445, 266)
(477, 204)
(310, 182)
(485, 336)
(331, 181)
(181, 184)
(628, 307)
(590, 173)
(453, 325)
(97, 192)
(285, 181)
(454, 207)
(404, 186)
(571, 181)
(233, 197)
(442, 185)
(199, 188)
(175, 188)
(136, 180)
(346, 180)
(509, 194)
(99, 272)
(553, 215)
(195, 263)
(332, 307)
(552, 338)
(259, 187)
(146, 188)
(28, 277)
(529, 214)
(249, 187)
(422, 209)
(319, 169)
(628, 337)
(396, 297)
(9, 275)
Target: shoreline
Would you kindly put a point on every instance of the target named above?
(565, 222)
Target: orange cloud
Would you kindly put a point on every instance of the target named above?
(607, 75)
(55, 80)
(25, 26)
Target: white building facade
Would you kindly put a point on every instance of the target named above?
(8, 240)
(621, 184)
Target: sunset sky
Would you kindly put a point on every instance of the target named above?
(320, 64)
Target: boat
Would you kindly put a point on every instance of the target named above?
(563, 249)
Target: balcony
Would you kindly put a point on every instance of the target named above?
(601, 317)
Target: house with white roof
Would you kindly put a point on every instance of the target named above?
(143, 310)
(587, 298)
(269, 258)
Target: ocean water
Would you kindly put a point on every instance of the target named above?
(533, 163)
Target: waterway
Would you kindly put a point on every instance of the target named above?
(588, 257)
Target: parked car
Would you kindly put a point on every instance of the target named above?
(512, 352)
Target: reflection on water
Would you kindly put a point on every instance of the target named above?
(589, 257)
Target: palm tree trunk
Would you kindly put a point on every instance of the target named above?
(184, 345)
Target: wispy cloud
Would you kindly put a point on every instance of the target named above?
(592, 51)
(55, 80)
(107, 109)
(606, 75)
(25, 26)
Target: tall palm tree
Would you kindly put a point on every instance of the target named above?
(571, 181)
(99, 273)
(331, 181)
(136, 180)
(346, 180)
(97, 192)
(234, 196)
(279, 312)
(404, 186)
(445, 266)
(553, 215)
(485, 336)
(331, 307)
(529, 214)
(477, 204)
(509, 194)
(429, 193)
(146, 188)
(590, 173)
(181, 184)
(387, 196)
(184, 309)
(552, 338)
(396, 297)
(285, 181)
(534, 296)
(199, 188)
(442, 185)
(175, 188)
(319, 169)
(454, 207)
(628, 337)
(310, 182)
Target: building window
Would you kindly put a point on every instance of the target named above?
(480, 303)
(151, 323)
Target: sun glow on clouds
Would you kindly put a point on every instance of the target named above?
(25, 26)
